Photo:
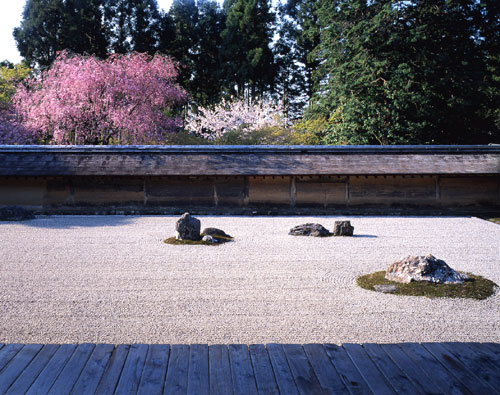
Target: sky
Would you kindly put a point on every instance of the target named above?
(10, 17)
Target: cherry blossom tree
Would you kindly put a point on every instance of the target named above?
(236, 114)
(124, 99)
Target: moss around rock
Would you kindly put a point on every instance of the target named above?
(220, 240)
(476, 287)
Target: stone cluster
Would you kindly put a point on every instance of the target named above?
(340, 228)
(188, 227)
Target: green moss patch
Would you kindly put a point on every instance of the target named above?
(495, 220)
(220, 240)
(476, 287)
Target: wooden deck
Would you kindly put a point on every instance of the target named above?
(412, 368)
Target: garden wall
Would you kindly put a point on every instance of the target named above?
(250, 179)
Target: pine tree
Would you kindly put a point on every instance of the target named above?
(40, 35)
(83, 28)
(248, 59)
(404, 72)
(208, 68)
(184, 47)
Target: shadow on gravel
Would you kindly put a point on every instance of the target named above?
(74, 221)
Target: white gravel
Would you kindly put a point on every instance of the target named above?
(111, 279)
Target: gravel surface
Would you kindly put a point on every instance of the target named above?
(111, 279)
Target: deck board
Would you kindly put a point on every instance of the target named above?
(71, 372)
(263, 371)
(198, 370)
(16, 366)
(406, 368)
(155, 370)
(29, 375)
(177, 371)
(49, 374)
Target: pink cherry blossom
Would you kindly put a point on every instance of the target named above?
(124, 99)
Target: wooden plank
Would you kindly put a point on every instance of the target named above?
(49, 374)
(371, 374)
(16, 365)
(219, 370)
(327, 376)
(448, 360)
(69, 375)
(155, 370)
(241, 370)
(433, 368)
(399, 381)
(423, 381)
(302, 371)
(7, 353)
(31, 372)
(483, 365)
(177, 371)
(92, 372)
(282, 372)
(198, 383)
(264, 376)
(132, 370)
(346, 370)
(113, 370)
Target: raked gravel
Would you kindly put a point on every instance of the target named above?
(111, 279)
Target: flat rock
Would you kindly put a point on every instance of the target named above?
(385, 288)
(423, 268)
(343, 228)
(187, 227)
(215, 232)
(309, 229)
(209, 239)
(15, 213)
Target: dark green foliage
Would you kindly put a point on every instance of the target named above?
(132, 25)
(403, 72)
(184, 14)
(476, 287)
(248, 60)
(83, 30)
(208, 68)
(41, 34)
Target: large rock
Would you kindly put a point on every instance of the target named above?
(187, 228)
(214, 232)
(309, 229)
(15, 213)
(423, 268)
(343, 228)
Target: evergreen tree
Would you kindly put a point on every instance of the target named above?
(133, 25)
(40, 35)
(248, 59)
(184, 47)
(208, 69)
(83, 28)
(294, 53)
(402, 72)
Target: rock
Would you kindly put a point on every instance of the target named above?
(187, 228)
(423, 268)
(343, 228)
(215, 232)
(209, 239)
(309, 229)
(385, 288)
(15, 213)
